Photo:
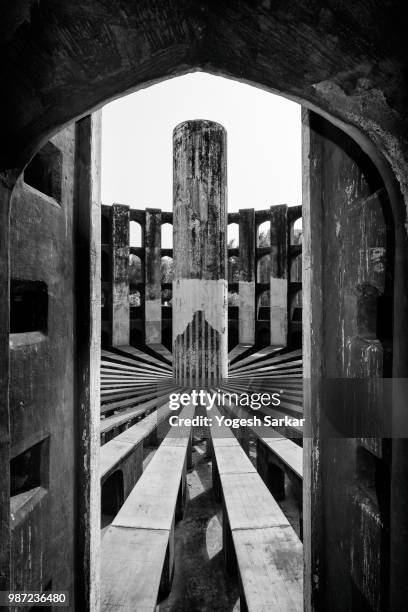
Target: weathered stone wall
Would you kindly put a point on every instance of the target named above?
(150, 320)
(87, 238)
(348, 272)
(42, 380)
(7, 182)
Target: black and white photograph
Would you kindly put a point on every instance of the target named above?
(204, 305)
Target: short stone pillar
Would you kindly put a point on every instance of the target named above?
(120, 275)
(247, 245)
(200, 308)
(153, 318)
(279, 275)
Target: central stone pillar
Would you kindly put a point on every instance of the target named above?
(200, 307)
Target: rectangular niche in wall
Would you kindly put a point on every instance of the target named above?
(29, 470)
(44, 172)
(28, 306)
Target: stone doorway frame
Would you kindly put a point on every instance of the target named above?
(331, 108)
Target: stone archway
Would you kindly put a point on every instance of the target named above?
(71, 60)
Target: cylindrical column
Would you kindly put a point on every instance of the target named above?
(200, 308)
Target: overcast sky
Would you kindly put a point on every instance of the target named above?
(264, 142)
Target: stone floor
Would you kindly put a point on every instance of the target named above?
(200, 583)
